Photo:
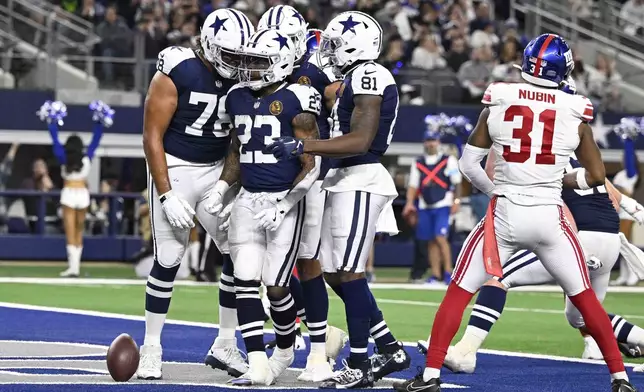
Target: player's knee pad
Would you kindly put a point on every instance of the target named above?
(170, 253)
(248, 274)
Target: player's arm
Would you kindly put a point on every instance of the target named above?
(627, 203)
(160, 105)
(330, 94)
(592, 173)
(364, 126)
(477, 147)
(231, 171)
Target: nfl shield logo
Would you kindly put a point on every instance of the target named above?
(218, 84)
(256, 105)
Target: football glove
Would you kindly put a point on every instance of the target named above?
(215, 200)
(284, 148)
(270, 219)
(177, 210)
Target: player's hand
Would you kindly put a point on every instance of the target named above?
(214, 202)
(177, 210)
(224, 216)
(284, 148)
(269, 219)
(408, 210)
(639, 215)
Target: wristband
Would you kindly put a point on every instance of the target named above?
(581, 179)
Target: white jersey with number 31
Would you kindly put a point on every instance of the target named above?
(534, 131)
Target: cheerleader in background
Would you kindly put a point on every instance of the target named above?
(75, 166)
(626, 181)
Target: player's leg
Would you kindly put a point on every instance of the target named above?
(441, 230)
(562, 255)
(424, 232)
(281, 255)
(194, 246)
(69, 225)
(169, 245)
(248, 252)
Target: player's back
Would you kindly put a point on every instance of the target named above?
(257, 122)
(198, 131)
(534, 131)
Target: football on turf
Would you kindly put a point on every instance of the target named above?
(122, 358)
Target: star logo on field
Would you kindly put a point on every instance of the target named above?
(282, 40)
(219, 24)
(349, 25)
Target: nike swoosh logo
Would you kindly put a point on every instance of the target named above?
(411, 388)
(369, 73)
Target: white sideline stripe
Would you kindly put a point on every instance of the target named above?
(211, 325)
(375, 286)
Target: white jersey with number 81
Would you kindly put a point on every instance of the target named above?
(534, 131)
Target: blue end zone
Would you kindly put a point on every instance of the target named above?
(184, 343)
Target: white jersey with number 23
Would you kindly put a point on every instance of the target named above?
(534, 131)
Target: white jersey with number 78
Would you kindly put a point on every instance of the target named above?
(534, 131)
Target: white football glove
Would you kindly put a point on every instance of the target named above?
(215, 200)
(269, 219)
(177, 210)
(224, 216)
(633, 208)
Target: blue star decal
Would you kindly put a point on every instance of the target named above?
(219, 24)
(299, 16)
(349, 24)
(282, 40)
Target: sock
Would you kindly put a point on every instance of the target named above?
(487, 310)
(357, 305)
(316, 300)
(250, 314)
(626, 332)
(297, 292)
(378, 327)
(193, 253)
(338, 291)
(446, 323)
(158, 293)
(599, 326)
(227, 301)
(283, 313)
(73, 258)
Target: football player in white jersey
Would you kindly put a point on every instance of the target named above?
(359, 187)
(533, 128)
(185, 139)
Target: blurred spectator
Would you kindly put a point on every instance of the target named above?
(582, 8)
(40, 181)
(580, 75)
(457, 54)
(510, 56)
(6, 168)
(482, 19)
(403, 24)
(154, 29)
(510, 31)
(484, 37)
(604, 82)
(428, 55)
(632, 13)
(475, 74)
(91, 11)
(394, 53)
(212, 5)
(116, 40)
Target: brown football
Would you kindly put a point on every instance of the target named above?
(122, 358)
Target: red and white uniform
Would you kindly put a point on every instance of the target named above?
(534, 131)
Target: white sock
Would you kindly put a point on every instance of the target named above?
(318, 349)
(619, 376)
(153, 327)
(473, 337)
(430, 373)
(71, 249)
(193, 252)
(79, 254)
(227, 322)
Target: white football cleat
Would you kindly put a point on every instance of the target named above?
(259, 372)
(300, 344)
(281, 360)
(225, 355)
(336, 339)
(591, 349)
(150, 363)
(317, 369)
(460, 359)
(639, 369)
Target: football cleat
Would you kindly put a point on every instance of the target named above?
(317, 369)
(150, 363)
(336, 339)
(631, 350)
(225, 355)
(69, 273)
(389, 359)
(417, 384)
(422, 347)
(280, 361)
(460, 359)
(591, 349)
(259, 372)
(622, 386)
(349, 378)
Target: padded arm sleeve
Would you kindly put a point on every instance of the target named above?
(470, 165)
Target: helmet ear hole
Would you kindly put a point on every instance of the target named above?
(350, 50)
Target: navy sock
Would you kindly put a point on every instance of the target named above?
(283, 313)
(317, 308)
(159, 288)
(621, 328)
(488, 308)
(250, 314)
(298, 296)
(338, 291)
(227, 284)
(357, 305)
(378, 327)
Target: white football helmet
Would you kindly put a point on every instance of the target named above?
(223, 35)
(287, 20)
(350, 37)
(268, 58)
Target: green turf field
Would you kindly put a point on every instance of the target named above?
(533, 322)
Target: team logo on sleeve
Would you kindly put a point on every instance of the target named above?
(276, 108)
(304, 80)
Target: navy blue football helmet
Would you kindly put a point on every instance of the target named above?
(547, 61)
(313, 37)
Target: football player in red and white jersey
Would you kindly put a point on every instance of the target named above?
(533, 128)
